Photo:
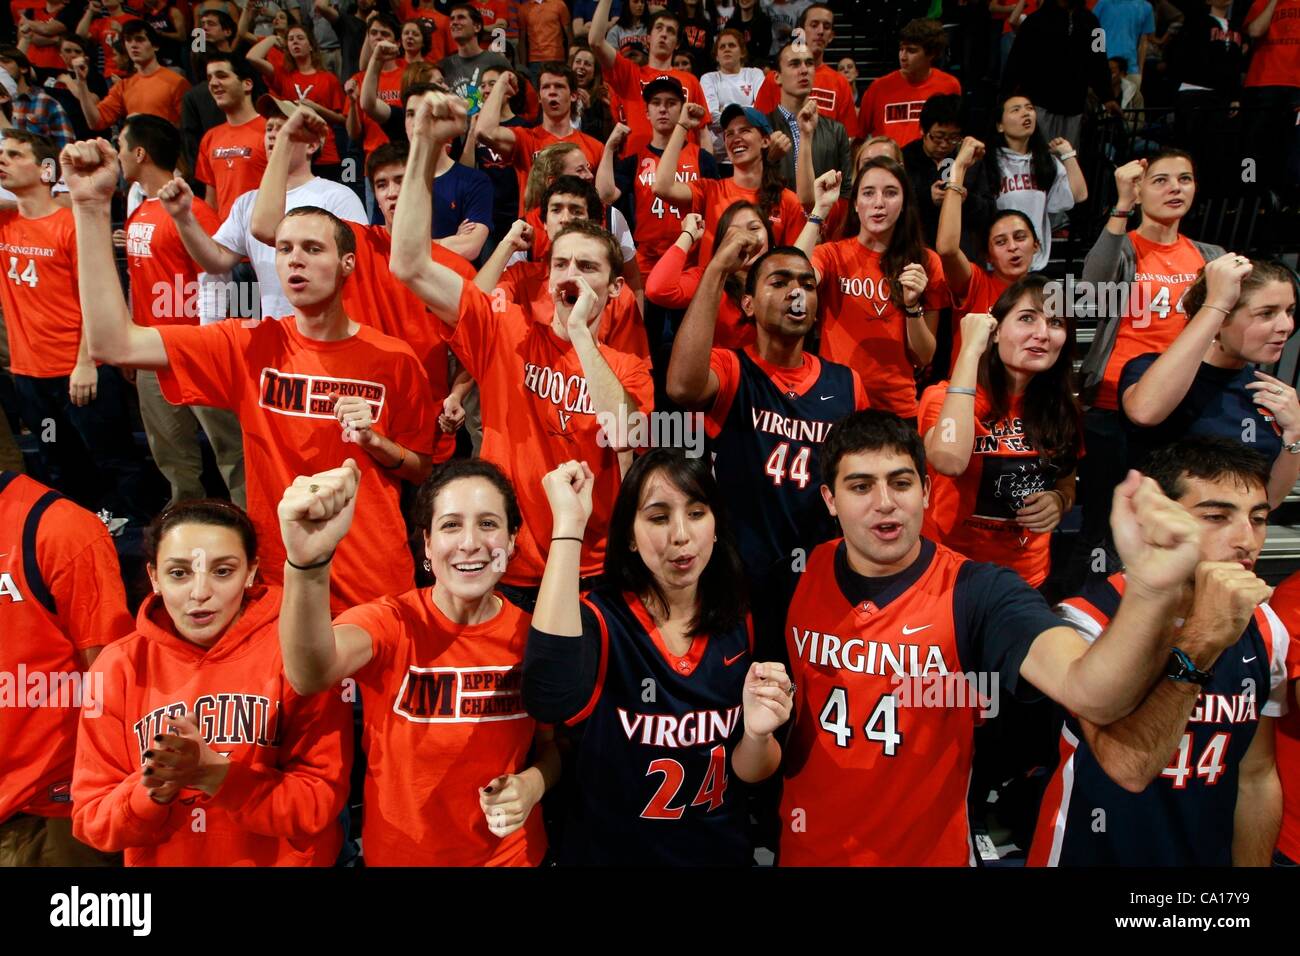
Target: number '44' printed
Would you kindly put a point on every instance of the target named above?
(28, 274)
(1209, 764)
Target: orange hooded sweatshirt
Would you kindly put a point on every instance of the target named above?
(290, 755)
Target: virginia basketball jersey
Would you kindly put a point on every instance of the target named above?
(768, 461)
(654, 766)
(1185, 815)
(876, 770)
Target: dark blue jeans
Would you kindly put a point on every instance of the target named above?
(87, 453)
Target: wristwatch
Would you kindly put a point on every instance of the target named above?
(1294, 447)
(1183, 670)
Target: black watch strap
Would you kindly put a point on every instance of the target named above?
(1182, 669)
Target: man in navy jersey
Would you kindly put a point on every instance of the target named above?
(889, 631)
(1188, 778)
(767, 409)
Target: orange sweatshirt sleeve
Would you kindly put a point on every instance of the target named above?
(670, 284)
(110, 809)
(305, 794)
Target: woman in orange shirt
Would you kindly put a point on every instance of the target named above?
(880, 291)
(197, 723)
(449, 777)
(300, 77)
(672, 285)
(1010, 247)
(1002, 438)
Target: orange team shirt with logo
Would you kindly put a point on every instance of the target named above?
(711, 197)
(159, 94)
(537, 414)
(443, 716)
(1163, 274)
(527, 284)
(891, 106)
(659, 221)
(974, 512)
(164, 279)
(1286, 602)
(390, 91)
(105, 31)
(830, 91)
(982, 291)
(290, 755)
(372, 296)
(77, 563)
(322, 88)
(863, 328)
(232, 160)
(531, 140)
(42, 305)
(283, 387)
(1275, 60)
(626, 80)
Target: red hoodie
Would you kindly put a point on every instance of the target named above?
(290, 755)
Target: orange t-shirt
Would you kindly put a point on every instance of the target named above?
(711, 197)
(43, 57)
(537, 414)
(658, 222)
(290, 755)
(673, 286)
(160, 94)
(371, 295)
(527, 284)
(322, 88)
(982, 291)
(106, 31)
(1275, 59)
(863, 328)
(232, 159)
(830, 91)
(974, 512)
(443, 716)
(69, 599)
(281, 386)
(39, 292)
(164, 279)
(626, 80)
(531, 140)
(439, 24)
(390, 91)
(544, 23)
(891, 106)
(1162, 276)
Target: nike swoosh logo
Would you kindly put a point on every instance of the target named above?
(825, 398)
(1247, 660)
(912, 630)
(728, 661)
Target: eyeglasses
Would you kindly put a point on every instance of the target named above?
(949, 139)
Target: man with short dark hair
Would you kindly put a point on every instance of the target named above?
(829, 148)
(892, 105)
(1188, 778)
(923, 158)
(461, 70)
(152, 88)
(231, 156)
(310, 389)
(32, 109)
(829, 90)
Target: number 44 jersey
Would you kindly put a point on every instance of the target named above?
(1185, 815)
(893, 674)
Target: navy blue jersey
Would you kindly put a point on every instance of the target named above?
(654, 777)
(767, 441)
(1185, 815)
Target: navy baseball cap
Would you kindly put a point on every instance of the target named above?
(663, 84)
(756, 119)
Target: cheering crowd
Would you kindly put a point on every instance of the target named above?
(610, 433)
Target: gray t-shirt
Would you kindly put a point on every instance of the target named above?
(463, 72)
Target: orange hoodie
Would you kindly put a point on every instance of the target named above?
(290, 755)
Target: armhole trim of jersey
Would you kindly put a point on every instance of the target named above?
(601, 667)
(31, 567)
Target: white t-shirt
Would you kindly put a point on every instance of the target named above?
(723, 89)
(1020, 192)
(234, 233)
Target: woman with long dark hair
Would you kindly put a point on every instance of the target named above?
(879, 291)
(301, 77)
(455, 766)
(672, 285)
(1030, 174)
(196, 705)
(593, 114)
(1003, 435)
(656, 666)
(746, 133)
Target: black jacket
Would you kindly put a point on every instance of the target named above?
(1202, 54)
(1053, 62)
